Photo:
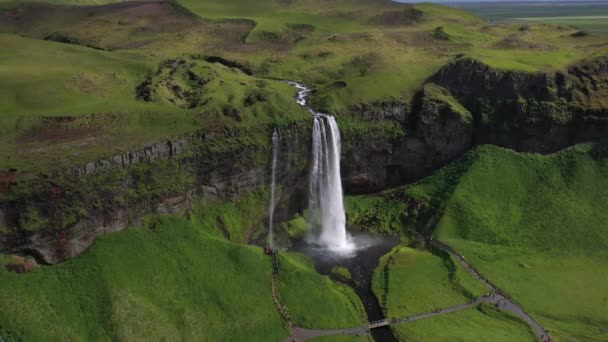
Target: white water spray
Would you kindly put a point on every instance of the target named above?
(326, 202)
(275, 152)
(326, 199)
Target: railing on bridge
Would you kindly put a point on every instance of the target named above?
(380, 323)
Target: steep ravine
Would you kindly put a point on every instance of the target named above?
(385, 144)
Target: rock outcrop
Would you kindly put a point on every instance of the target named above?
(467, 103)
(436, 129)
(532, 112)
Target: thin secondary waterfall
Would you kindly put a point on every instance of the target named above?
(326, 202)
(326, 199)
(275, 152)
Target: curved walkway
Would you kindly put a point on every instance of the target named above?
(502, 299)
(499, 299)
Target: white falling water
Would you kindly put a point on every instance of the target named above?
(275, 152)
(326, 199)
(326, 202)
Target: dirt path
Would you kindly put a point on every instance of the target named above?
(500, 299)
(302, 334)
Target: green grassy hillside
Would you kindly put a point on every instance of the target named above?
(535, 226)
(353, 51)
(112, 291)
(78, 83)
(62, 104)
(409, 282)
(483, 323)
(501, 197)
(172, 280)
(335, 305)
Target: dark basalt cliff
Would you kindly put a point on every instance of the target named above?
(436, 130)
(467, 103)
(384, 144)
(535, 112)
(57, 217)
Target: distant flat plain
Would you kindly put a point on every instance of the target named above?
(590, 16)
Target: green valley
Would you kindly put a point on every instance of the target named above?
(303, 170)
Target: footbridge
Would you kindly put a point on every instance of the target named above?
(495, 297)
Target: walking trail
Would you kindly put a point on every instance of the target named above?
(496, 297)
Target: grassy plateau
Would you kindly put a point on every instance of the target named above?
(82, 80)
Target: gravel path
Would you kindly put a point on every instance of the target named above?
(497, 298)
(500, 299)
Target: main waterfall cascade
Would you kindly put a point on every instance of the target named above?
(275, 152)
(329, 245)
(326, 199)
(326, 202)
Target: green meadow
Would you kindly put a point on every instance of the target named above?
(588, 16)
(410, 281)
(70, 74)
(95, 90)
(352, 51)
(481, 323)
(173, 279)
(537, 230)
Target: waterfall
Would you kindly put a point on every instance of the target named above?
(326, 199)
(326, 202)
(275, 152)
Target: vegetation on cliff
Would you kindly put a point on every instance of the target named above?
(84, 84)
(212, 289)
(534, 225)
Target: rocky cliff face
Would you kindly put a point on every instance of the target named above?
(467, 103)
(55, 218)
(534, 112)
(384, 144)
(435, 130)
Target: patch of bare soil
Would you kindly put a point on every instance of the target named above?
(52, 129)
(21, 264)
(7, 179)
(126, 25)
(407, 16)
(515, 41)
